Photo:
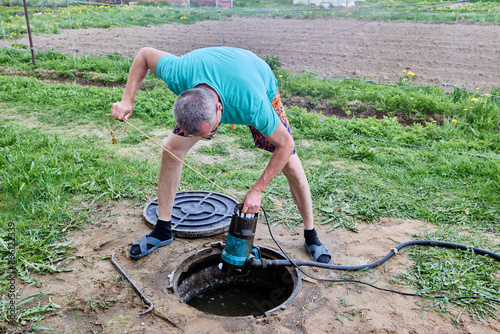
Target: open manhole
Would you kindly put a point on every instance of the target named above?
(200, 283)
(196, 214)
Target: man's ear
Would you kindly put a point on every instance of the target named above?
(219, 106)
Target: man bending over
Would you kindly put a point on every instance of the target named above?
(220, 85)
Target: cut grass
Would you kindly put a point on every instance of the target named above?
(452, 273)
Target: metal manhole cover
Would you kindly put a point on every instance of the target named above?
(196, 214)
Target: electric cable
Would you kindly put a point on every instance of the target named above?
(296, 264)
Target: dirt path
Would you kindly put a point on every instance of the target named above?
(378, 50)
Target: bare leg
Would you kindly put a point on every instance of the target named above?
(299, 188)
(168, 183)
(301, 193)
(170, 172)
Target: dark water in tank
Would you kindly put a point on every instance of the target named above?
(238, 300)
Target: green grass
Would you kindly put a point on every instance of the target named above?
(477, 113)
(441, 271)
(113, 68)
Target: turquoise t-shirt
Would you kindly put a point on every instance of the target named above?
(244, 82)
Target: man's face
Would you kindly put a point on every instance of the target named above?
(207, 129)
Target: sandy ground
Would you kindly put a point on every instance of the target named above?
(334, 47)
(373, 49)
(316, 309)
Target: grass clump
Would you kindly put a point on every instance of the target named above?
(451, 273)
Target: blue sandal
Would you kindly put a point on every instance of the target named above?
(143, 245)
(316, 251)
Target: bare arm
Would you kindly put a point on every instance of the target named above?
(284, 144)
(145, 60)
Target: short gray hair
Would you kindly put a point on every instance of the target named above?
(194, 107)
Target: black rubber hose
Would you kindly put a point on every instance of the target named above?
(264, 263)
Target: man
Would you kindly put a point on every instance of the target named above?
(220, 85)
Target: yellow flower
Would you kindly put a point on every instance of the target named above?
(280, 76)
(477, 88)
(411, 98)
(473, 99)
(454, 121)
(404, 71)
(466, 109)
(487, 95)
(410, 73)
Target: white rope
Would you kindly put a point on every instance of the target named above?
(453, 52)
(329, 43)
(72, 34)
(124, 34)
(220, 25)
(454, 46)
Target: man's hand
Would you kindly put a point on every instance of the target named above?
(121, 111)
(251, 202)
(146, 60)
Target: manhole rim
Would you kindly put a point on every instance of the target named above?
(218, 247)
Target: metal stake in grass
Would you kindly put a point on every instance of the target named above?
(120, 270)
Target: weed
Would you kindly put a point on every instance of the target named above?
(348, 315)
(76, 319)
(219, 149)
(454, 273)
(92, 303)
(29, 310)
(124, 318)
(343, 302)
(273, 62)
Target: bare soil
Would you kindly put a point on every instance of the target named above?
(334, 47)
(376, 49)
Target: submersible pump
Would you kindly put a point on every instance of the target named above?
(239, 248)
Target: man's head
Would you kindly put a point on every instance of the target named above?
(196, 112)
